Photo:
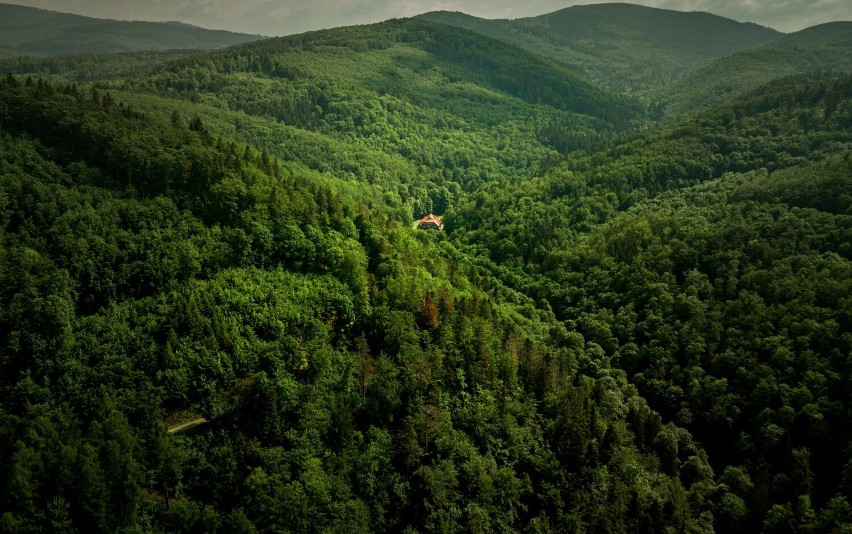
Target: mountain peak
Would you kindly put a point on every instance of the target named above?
(624, 47)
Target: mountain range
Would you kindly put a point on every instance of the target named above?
(625, 47)
(670, 62)
(674, 61)
(217, 312)
(823, 48)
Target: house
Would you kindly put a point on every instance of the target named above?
(430, 222)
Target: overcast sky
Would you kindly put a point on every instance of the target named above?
(284, 17)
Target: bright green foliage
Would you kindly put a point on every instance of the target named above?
(417, 110)
(410, 106)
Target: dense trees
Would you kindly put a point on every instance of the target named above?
(725, 302)
(787, 123)
(650, 334)
(358, 375)
(741, 345)
(420, 110)
(822, 48)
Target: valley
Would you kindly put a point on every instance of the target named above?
(634, 316)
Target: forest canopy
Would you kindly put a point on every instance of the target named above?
(215, 314)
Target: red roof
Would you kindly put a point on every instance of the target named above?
(430, 220)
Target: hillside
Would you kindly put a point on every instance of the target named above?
(823, 48)
(624, 47)
(690, 256)
(787, 123)
(356, 374)
(27, 30)
(623, 326)
(92, 66)
(738, 343)
(422, 110)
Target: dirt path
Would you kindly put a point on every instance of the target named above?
(187, 425)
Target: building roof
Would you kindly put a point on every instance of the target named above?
(430, 220)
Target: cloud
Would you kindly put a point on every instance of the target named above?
(282, 17)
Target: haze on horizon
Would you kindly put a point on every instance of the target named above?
(286, 17)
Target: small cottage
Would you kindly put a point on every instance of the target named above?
(430, 222)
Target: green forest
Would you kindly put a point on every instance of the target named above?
(217, 313)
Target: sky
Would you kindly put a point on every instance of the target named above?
(285, 17)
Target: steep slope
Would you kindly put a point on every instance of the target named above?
(823, 48)
(624, 47)
(457, 54)
(26, 30)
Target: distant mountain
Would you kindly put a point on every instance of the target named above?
(827, 47)
(830, 34)
(441, 109)
(27, 30)
(430, 64)
(623, 47)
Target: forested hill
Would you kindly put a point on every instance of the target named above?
(790, 122)
(624, 47)
(725, 298)
(623, 326)
(828, 35)
(359, 375)
(425, 111)
(822, 48)
(460, 55)
(27, 30)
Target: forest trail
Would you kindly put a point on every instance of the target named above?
(187, 425)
